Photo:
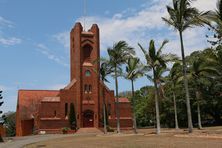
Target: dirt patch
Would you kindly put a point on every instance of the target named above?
(146, 139)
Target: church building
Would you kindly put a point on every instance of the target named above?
(47, 111)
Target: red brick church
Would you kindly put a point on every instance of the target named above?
(46, 111)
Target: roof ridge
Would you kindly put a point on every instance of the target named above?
(36, 90)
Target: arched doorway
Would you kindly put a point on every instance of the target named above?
(88, 120)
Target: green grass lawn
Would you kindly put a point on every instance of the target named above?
(207, 138)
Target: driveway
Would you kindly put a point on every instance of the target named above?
(19, 142)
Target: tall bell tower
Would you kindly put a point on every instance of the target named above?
(85, 50)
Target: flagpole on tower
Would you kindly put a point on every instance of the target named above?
(84, 15)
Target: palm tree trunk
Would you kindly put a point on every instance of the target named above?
(198, 109)
(117, 102)
(133, 109)
(175, 111)
(157, 106)
(189, 116)
(104, 112)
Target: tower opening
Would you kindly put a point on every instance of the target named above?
(87, 50)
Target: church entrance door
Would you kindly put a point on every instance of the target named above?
(88, 118)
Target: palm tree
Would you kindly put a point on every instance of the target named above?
(181, 17)
(134, 70)
(216, 26)
(118, 55)
(105, 70)
(173, 77)
(197, 72)
(155, 61)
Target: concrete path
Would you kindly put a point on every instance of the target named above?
(19, 142)
(89, 130)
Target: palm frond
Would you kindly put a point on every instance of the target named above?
(134, 69)
(143, 50)
(170, 23)
(149, 77)
(219, 8)
(183, 16)
(161, 47)
(152, 49)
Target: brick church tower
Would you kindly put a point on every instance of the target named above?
(47, 111)
(85, 51)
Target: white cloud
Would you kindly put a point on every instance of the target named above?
(4, 22)
(10, 41)
(205, 5)
(121, 26)
(9, 103)
(143, 25)
(47, 52)
(3, 88)
(63, 38)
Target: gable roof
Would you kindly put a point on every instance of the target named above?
(71, 84)
(123, 100)
(29, 101)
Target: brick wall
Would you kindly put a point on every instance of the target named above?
(2, 131)
(27, 127)
(53, 124)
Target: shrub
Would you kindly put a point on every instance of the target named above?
(72, 117)
(65, 130)
(109, 129)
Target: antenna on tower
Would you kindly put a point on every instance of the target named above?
(84, 15)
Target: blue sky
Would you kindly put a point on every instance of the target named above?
(34, 38)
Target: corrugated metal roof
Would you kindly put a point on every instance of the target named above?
(51, 99)
(123, 100)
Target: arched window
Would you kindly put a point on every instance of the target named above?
(85, 88)
(87, 73)
(87, 49)
(90, 88)
(66, 109)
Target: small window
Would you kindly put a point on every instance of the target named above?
(90, 88)
(109, 109)
(85, 88)
(66, 109)
(87, 73)
(55, 113)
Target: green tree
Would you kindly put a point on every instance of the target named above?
(134, 70)
(105, 70)
(173, 78)
(216, 24)
(182, 16)
(118, 55)
(145, 106)
(72, 116)
(198, 71)
(215, 57)
(209, 83)
(156, 62)
(1, 102)
(10, 123)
